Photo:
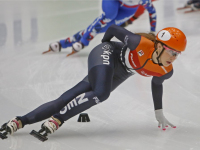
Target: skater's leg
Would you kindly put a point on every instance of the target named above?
(138, 13)
(64, 43)
(70, 40)
(124, 14)
(196, 6)
(190, 2)
(48, 109)
(100, 77)
(101, 80)
(104, 77)
(110, 11)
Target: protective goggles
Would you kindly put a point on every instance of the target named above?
(171, 51)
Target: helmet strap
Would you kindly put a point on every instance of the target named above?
(160, 64)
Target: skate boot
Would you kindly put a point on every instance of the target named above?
(195, 6)
(76, 47)
(10, 127)
(55, 47)
(190, 2)
(48, 127)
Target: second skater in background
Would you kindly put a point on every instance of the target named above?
(192, 5)
(118, 12)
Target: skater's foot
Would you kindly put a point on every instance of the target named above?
(51, 125)
(195, 6)
(11, 126)
(190, 2)
(54, 47)
(48, 127)
(76, 47)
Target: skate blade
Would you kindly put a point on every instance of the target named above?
(38, 136)
(46, 51)
(181, 8)
(3, 136)
(73, 52)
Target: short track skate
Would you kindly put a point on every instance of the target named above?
(53, 47)
(3, 132)
(185, 7)
(41, 134)
(47, 51)
(73, 52)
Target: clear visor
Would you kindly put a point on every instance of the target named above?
(171, 51)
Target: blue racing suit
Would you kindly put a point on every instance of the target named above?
(114, 12)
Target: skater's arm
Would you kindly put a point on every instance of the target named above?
(130, 39)
(147, 4)
(157, 89)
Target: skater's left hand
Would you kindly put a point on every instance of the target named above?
(162, 121)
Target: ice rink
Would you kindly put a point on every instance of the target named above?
(126, 121)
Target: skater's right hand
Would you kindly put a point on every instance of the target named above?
(162, 121)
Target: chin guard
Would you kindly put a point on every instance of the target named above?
(160, 64)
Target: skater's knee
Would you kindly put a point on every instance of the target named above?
(102, 95)
(110, 9)
(110, 16)
(65, 99)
